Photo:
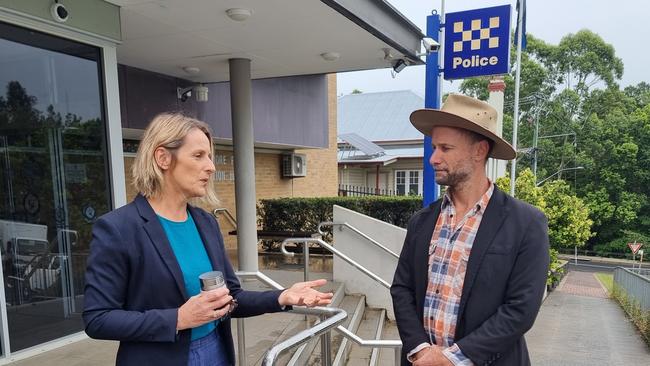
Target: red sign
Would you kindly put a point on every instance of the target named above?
(634, 247)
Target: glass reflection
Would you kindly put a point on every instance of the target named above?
(53, 179)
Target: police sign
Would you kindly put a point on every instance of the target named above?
(477, 42)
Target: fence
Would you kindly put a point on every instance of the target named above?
(636, 284)
(349, 190)
(592, 253)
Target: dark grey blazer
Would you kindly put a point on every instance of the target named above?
(503, 288)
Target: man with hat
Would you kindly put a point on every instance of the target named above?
(472, 272)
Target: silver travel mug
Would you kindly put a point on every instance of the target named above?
(211, 280)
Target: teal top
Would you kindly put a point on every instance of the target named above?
(192, 258)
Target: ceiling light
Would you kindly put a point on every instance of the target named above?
(238, 14)
(330, 56)
(191, 70)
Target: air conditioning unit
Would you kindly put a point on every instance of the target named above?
(294, 165)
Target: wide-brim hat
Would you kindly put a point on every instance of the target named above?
(464, 112)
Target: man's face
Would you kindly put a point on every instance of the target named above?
(453, 155)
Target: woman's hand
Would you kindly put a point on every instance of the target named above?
(203, 308)
(304, 294)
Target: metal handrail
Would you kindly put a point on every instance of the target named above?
(229, 216)
(381, 246)
(330, 318)
(336, 317)
(334, 251)
(374, 343)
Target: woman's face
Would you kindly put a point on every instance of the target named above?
(188, 174)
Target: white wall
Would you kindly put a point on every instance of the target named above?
(368, 255)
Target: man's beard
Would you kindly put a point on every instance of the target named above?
(453, 179)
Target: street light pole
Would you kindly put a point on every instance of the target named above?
(515, 121)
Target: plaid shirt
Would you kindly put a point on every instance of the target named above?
(449, 251)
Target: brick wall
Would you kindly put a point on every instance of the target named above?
(321, 179)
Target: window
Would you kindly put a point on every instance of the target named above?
(408, 182)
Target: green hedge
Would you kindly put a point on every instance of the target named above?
(304, 214)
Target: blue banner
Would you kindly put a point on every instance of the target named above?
(477, 42)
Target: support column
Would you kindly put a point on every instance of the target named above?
(497, 168)
(243, 145)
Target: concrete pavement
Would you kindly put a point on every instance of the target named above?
(579, 325)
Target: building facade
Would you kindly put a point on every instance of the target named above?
(380, 119)
(80, 80)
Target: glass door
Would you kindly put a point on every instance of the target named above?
(53, 179)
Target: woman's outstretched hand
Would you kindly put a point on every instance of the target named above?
(304, 294)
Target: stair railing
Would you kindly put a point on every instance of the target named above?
(226, 213)
(330, 318)
(373, 343)
(341, 225)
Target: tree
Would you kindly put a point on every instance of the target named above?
(568, 216)
(569, 224)
(570, 90)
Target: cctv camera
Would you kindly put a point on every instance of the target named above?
(200, 91)
(430, 45)
(399, 65)
(59, 12)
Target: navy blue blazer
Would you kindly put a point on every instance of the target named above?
(503, 287)
(134, 286)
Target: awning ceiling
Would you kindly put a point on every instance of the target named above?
(281, 37)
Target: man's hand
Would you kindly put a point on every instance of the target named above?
(302, 293)
(431, 356)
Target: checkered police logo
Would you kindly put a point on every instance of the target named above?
(476, 36)
(477, 42)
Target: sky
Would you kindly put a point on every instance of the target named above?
(624, 25)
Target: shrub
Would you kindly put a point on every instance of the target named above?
(556, 270)
(304, 214)
(568, 216)
(640, 317)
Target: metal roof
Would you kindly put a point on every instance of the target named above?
(361, 144)
(380, 116)
(392, 153)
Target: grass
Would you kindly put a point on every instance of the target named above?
(607, 280)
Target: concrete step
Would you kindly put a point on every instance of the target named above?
(371, 321)
(264, 331)
(387, 355)
(374, 355)
(301, 355)
(354, 305)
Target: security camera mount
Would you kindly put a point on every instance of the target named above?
(184, 93)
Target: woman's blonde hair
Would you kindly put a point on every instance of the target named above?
(167, 130)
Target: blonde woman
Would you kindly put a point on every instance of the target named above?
(142, 285)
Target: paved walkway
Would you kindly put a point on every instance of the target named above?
(262, 331)
(579, 325)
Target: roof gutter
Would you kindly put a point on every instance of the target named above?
(385, 22)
